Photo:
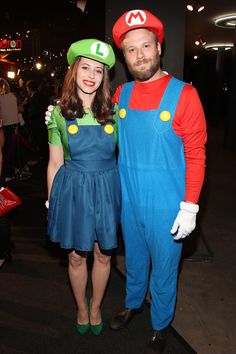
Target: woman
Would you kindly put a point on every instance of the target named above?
(10, 120)
(83, 182)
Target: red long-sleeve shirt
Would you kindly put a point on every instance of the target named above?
(189, 124)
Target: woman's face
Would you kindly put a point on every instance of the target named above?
(89, 76)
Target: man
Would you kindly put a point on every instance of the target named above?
(162, 136)
(162, 132)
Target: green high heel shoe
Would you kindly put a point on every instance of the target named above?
(83, 328)
(95, 329)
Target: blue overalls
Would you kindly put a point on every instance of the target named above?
(152, 172)
(85, 195)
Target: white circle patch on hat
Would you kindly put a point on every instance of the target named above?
(135, 17)
(99, 49)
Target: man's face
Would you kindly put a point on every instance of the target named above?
(142, 54)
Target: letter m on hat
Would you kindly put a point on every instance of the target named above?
(135, 17)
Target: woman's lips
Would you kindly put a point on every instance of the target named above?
(89, 83)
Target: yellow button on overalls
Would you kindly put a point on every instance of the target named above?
(122, 113)
(165, 116)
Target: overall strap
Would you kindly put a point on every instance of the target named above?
(125, 94)
(70, 122)
(171, 96)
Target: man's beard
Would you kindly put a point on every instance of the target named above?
(144, 75)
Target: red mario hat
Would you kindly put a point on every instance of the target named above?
(137, 19)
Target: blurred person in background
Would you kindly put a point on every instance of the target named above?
(10, 120)
(38, 100)
(4, 221)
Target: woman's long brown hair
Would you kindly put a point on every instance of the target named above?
(71, 105)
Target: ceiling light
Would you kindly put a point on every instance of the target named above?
(226, 21)
(200, 42)
(195, 5)
(216, 46)
(200, 7)
(190, 6)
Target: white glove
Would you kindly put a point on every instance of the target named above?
(185, 221)
(48, 114)
(47, 204)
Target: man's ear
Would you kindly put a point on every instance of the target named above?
(159, 48)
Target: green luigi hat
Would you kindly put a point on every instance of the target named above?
(92, 49)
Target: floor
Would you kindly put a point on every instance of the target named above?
(206, 306)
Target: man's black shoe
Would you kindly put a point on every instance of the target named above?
(157, 343)
(123, 318)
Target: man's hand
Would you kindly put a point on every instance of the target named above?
(48, 114)
(185, 221)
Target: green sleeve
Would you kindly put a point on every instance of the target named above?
(54, 135)
(57, 132)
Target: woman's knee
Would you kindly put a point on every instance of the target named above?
(100, 257)
(77, 260)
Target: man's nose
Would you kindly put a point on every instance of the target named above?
(140, 53)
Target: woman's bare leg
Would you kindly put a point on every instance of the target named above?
(100, 275)
(78, 275)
